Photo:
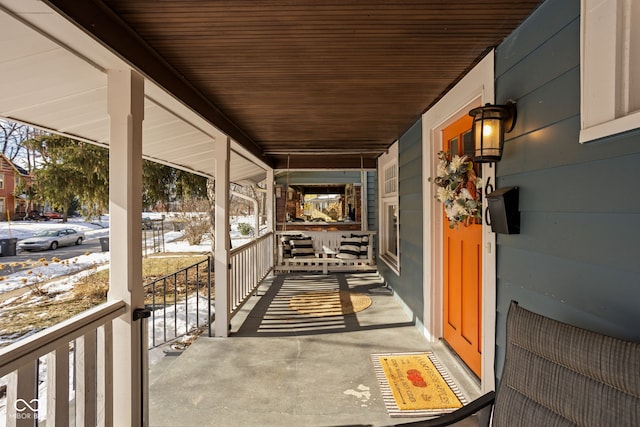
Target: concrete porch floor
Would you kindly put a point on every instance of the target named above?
(280, 368)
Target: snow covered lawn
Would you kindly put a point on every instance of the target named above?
(70, 271)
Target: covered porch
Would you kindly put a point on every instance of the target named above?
(288, 369)
(191, 85)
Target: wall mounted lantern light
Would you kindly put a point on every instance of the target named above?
(489, 126)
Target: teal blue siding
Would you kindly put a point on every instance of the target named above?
(372, 200)
(408, 285)
(576, 258)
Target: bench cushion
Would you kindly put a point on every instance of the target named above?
(560, 375)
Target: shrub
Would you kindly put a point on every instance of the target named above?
(195, 227)
(245, 229)
(195, 219)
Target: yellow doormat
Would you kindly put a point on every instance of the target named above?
(329, 303)
(415, 385)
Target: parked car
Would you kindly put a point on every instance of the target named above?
(52, 239)
(35, 216)
(147, 224)
(52, 215)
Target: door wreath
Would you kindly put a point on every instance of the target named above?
(459, 189)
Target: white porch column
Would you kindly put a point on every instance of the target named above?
(126, 111)
(270, 199)
(222, 241)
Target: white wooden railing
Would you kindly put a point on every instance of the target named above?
(250, 264)
(90, 337)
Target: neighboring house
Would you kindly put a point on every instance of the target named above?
(10, 203)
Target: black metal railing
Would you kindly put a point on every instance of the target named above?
(152, 236)
(176, 302)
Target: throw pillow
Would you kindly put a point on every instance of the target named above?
(302, 248)
(286, 246)
(349, 248)
(364, 246)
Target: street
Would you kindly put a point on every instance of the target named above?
(65, 252)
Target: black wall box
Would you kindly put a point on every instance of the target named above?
(503, 210)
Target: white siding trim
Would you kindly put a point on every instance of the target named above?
(221, 235)
(475, 89)
(610, 64)
(384, 199)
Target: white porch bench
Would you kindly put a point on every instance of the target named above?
(325, 254)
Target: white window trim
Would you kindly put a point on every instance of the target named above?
(610, 63)
(387, 198)
(392, 260)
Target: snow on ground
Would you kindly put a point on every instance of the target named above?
(180, 318)
(176, 321)
(93, 229)
(43, 269)
(48, 268)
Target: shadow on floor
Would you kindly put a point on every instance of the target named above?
(281, 368)
(273, 315)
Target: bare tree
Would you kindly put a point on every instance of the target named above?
(194, 218)
(211, 198)
(239, 206)
(12, 138)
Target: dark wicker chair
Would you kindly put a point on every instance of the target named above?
(558, 375)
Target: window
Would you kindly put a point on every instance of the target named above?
(390, 179)
(320, 204)
(610, 67)
(389, 209)
(1, 181)
(2, 205)
(323, 207)
(391, 228)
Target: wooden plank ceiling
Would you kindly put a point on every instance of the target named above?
(304, 83)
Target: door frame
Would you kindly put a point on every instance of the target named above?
(474, 90)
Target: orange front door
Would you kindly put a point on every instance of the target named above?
(462, 269)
